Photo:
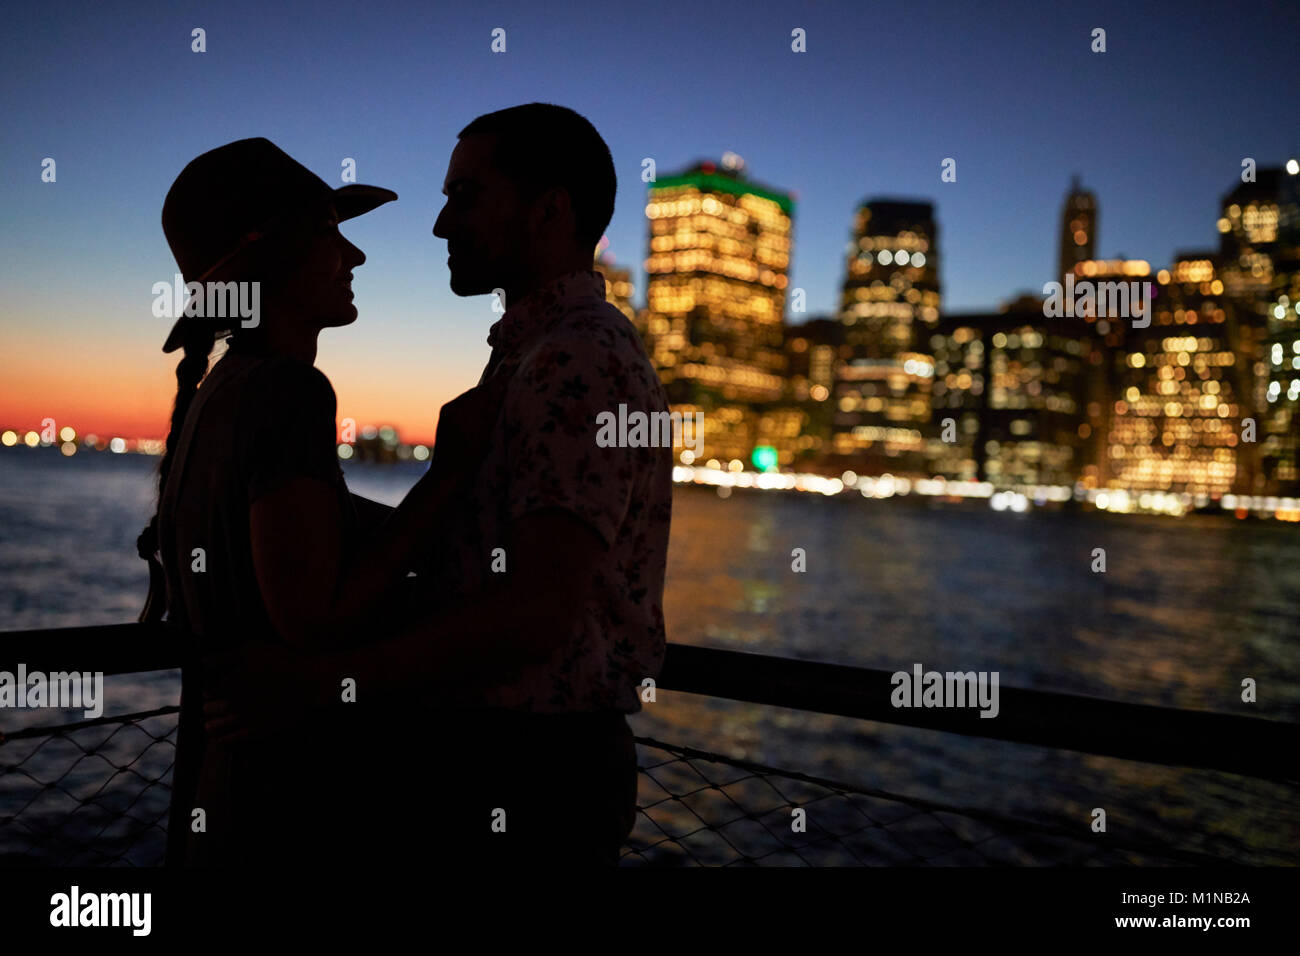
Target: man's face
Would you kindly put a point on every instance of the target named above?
(485, 220)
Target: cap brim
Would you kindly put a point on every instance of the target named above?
(354, 200)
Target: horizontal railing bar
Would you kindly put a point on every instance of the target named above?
(110, 648)
(1238, 744)
(78, 725)
(1186, 738)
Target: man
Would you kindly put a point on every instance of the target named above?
(566, 539)
(548, 588)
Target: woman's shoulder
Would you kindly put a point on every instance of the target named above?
(267, 370)
(284, 422)
(270, 382)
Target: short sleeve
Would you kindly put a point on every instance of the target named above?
(287, 426)
(554, 407)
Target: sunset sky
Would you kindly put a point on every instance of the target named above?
(1157, 127)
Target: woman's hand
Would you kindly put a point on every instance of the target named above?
(261, 689)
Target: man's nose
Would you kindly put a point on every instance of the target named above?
(440, 224)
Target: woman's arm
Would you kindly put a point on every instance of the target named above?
(493, 636)
(316, 597)
(449, 656)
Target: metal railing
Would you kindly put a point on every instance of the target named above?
(98, 791)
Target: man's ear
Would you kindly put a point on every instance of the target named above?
(537, 212)
(556, 208)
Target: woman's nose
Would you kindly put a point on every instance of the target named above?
(352, 254)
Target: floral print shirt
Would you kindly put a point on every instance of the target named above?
(563, 356)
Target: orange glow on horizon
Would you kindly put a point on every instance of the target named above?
(110, 394)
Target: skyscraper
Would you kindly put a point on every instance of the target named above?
(1013, 383)
(1078, 228)
(1248, 235)
(1174, 423)
(1260, 227)
(815, 350)
(1247, 265)
(716, 278)
(1106, 323)
(890, 302)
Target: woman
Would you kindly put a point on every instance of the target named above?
(258, 537)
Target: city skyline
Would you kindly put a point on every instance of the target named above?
(102, 97)
(1043, 396)
(619, 273)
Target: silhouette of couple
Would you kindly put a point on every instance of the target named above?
(446, 681)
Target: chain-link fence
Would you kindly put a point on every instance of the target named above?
(703, 809)
(98, 792)
(89, 793)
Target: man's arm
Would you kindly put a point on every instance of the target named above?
(551, 561)
(315, 596)
(314, 599)
(370, 514)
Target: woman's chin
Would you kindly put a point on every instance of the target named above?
(343, 316)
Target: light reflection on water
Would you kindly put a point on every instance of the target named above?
(1185, 610)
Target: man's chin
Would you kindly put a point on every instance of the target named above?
(463, 285)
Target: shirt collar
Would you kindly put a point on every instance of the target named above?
(542, 307)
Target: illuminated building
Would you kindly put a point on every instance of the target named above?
(381, 444)
(1248, 234)
(791, 430)
(955, 451)
(618, 282)
(716, 278)
(1248, 252)
(814, 351)
(1078, 228)
(1279, 451)
(1259, 227)
(890, 302)
(1280, 428)
(1177, 387)
(1012, 384)
(1101, 329)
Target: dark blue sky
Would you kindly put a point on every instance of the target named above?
(1156, 126)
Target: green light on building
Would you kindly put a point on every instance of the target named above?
(714, 182)
(764, 458)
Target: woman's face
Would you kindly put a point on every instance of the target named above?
(318, 292)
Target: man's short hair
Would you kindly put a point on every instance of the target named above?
(541, 145)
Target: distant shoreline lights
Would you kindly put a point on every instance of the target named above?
(723, 479)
